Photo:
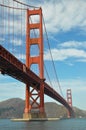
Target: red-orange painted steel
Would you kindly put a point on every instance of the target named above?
(69, 97)
(10, 65)
(34, 60)
(69, 100)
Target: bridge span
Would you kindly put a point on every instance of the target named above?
(11, 66)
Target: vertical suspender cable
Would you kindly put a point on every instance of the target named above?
(48, 76)
(8, 27)
(13, 31)
(33, 35)
(3, 23)
(44, 64)
(48, 45)
(52, 58)
(21, 37)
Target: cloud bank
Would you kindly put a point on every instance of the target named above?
(64, 15)
(66, 50)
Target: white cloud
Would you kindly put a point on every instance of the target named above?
(21, 56)
(63, 54)
(67, 50)
(11, 90)
(13, 26)
(59, 15)
(2, 40)
(12, 21)
(73, 44)
(78, 88)
(16, 42)
(64, 15)
(77, 85)
(81, 60)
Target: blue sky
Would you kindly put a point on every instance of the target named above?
(66, 27)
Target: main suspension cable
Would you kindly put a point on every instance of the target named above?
(48, 76)
(25, 4)
(45, 32)
(44, 64)
(11, 7)
(52, 57)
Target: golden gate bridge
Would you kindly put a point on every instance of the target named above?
(22, 32)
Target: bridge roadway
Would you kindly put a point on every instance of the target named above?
(11, 66)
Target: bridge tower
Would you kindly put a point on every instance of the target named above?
(69, 100)
(34, 108)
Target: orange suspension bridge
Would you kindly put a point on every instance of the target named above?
(22, 32)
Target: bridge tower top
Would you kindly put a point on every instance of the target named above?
(35, 41)
(69, 97)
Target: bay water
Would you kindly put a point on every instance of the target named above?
(64, 124)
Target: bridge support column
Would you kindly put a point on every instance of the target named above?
(34, 107)
(69, 100)
(42, 113)
(27, 113)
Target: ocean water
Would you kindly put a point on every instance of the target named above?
(64, 124)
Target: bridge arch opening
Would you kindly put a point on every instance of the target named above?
(34, 33)
(35, 68)
(34, 50)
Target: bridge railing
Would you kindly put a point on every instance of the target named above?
(24, 72)
(18, 64)
(8, 56)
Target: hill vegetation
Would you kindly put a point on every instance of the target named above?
(14, 108)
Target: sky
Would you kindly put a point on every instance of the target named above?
(66, 28)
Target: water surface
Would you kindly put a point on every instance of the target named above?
(66, 124)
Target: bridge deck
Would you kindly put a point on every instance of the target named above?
(11, 66)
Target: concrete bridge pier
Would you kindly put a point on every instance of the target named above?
(34, 115)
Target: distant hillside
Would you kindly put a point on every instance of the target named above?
(14, 108)
(54, 110)
(79, 112)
